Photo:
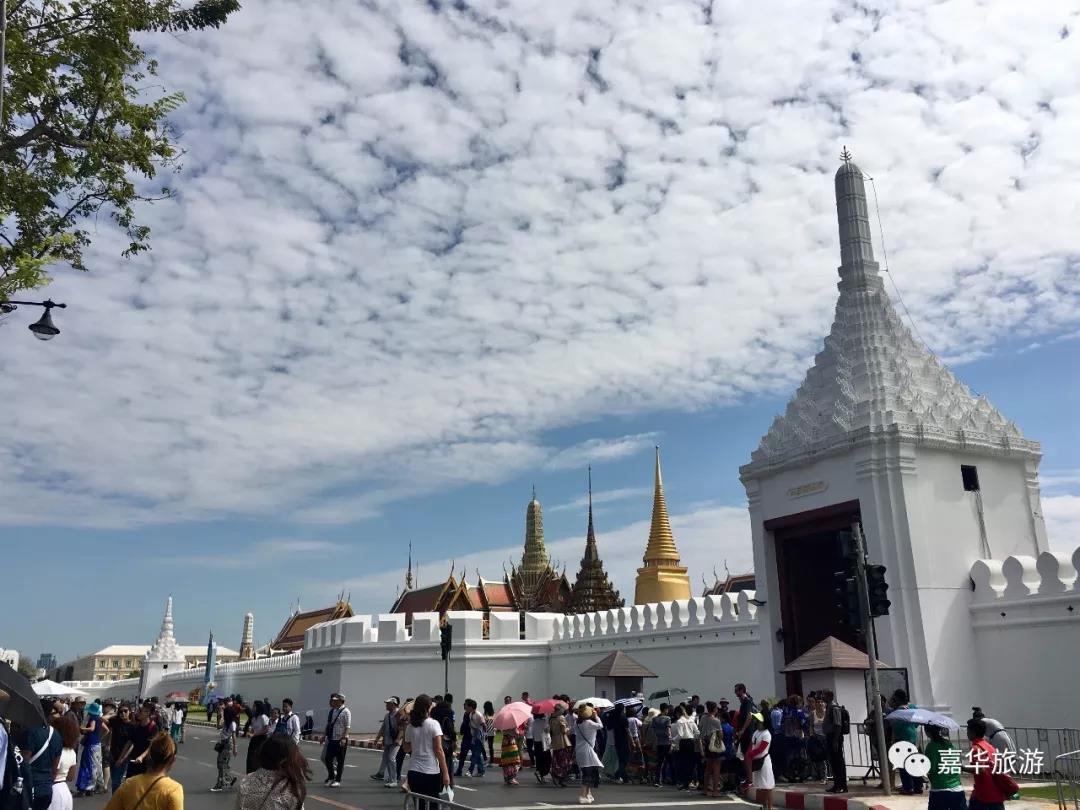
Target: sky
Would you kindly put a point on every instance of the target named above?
(424, 256)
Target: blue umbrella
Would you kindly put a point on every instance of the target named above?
(922, 717)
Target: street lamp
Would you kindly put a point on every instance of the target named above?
(43, 328)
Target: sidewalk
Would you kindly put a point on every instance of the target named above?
(868, 797)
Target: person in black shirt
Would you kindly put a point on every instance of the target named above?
(443, 714)
(119, 735)
(620, 731)
(43, 742)
(139, 735)
(745, 731)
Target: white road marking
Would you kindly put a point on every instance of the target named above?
(696, 803)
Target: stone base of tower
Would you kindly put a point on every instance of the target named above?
(661, 585)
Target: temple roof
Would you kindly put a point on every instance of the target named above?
(830, 653)
(592, 589)
(873, 377)
(733, 584)
(617, 665)
(291, 635)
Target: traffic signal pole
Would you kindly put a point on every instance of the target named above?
(871, 652)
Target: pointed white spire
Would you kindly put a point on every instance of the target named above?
(166, 648)
(872, 377)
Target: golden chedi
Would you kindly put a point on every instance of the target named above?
(661, 578)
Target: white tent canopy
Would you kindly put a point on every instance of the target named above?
(49, 688)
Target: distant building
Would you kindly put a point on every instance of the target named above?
(732, 584)
(46, 661)
(291, 636)
(121, 660)
(10, 657)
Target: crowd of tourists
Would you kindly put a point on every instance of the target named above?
(714, 747)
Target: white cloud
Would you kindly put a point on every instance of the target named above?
(602, 497)
(412, 237)
(599, 450)
(1062, 515)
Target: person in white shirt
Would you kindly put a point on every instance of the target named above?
(685, 737)
(260, 731)
(758, 753)
(338, 720)
(585, 753)
(428, 772)
(176, 721)
(68, 728)
(287, 722)
(226, 750)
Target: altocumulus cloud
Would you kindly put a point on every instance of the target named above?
(410, 232)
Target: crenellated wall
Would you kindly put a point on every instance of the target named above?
(701, 644)
(1025, 618)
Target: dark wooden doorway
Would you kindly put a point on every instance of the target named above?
(807, 553)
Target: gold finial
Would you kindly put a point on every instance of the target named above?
(845, 155)
(661, 547)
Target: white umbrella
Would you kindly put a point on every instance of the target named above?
(49, 688)
(595, 702)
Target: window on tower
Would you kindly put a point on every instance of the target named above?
(970, 475)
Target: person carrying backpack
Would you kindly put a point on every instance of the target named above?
(837, 723)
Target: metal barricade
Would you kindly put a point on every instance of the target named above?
(1067, 780)
(412, 801)
(1040, 748)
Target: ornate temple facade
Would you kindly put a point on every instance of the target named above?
(532, 585)
(290, 637)
(592, 589)
(662, 578)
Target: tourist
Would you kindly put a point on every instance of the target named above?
(685, 735)
(661, 729)
(403, 726)
(443, 713)
(226, 750)
(287, 722)
(996, 734)
(817, 748)
(91, 775)
(747, 709)
(388, 738)
(477, 727)
(946, 792)
(561, 752)
(308, 725)
(833, 728)
(760, 762)
(510, 756)
(68, 730)
(985, 795)
(41, 747)
(636, 765)
(774, 720)
(465, 730)
(792, 728)
(619, 726)
(338, 721)
(152, 790)
(280, 781)
(585, 754)
(489, 729)
(133, 756)
(730, 765)
(428, 770)
(507, 700)
(909, 733)
(78, 710)
(712, 738)
(541, 745)
(651, 773)
(176, 721)
(260, 731)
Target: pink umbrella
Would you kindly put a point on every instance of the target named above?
(512, 715)
(547, 706)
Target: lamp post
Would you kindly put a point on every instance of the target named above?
(43, 328)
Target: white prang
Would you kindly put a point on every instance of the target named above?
(872, 376)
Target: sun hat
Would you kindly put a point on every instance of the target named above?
(585, 712)
(94, 710)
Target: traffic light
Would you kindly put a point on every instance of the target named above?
(847, 597)
(446, 639)
(878, 590)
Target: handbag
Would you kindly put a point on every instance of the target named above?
(219, 747)
(716, 742)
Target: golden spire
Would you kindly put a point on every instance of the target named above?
(661, 548)
(661, 578)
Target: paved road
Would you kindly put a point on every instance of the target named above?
(196, 771)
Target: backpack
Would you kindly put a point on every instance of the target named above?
(791, 725)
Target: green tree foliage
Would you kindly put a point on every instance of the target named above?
(26, 667)
(84, 118)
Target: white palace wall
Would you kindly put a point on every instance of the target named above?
(704, 645)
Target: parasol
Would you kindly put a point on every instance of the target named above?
(922, 717)
(18, 701)
(512, 715)
(596, 702)
(547, 706)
